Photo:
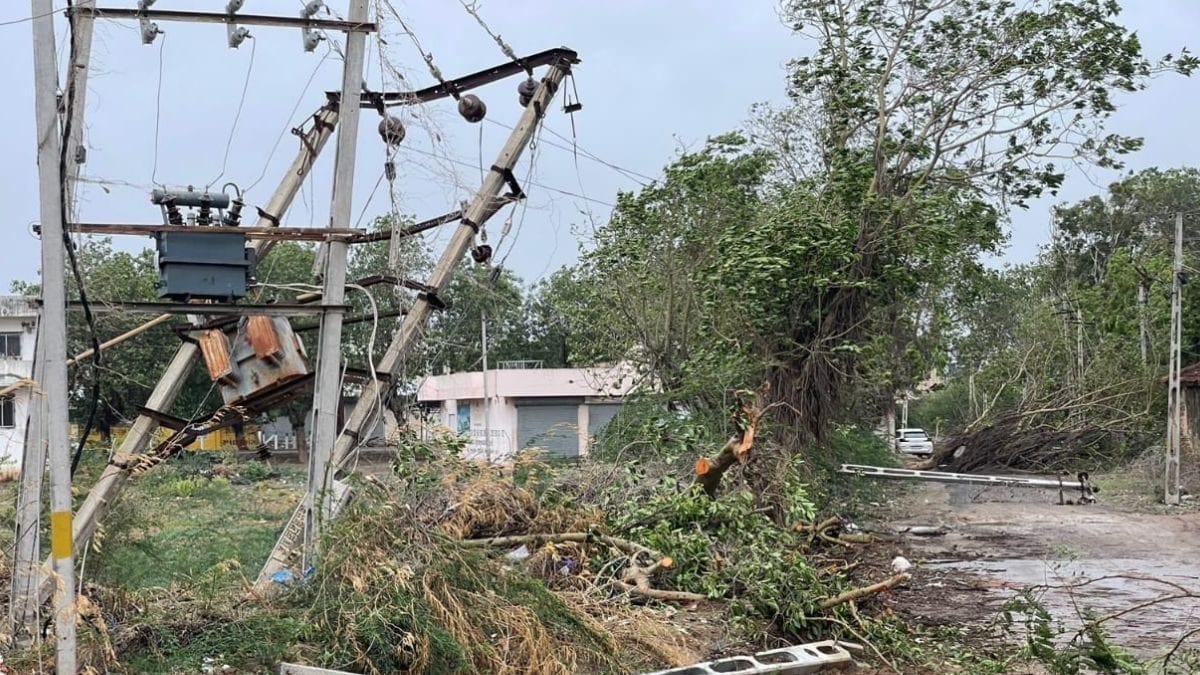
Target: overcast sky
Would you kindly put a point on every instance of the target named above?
(655, 76)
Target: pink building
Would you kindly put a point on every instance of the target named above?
(558, 410)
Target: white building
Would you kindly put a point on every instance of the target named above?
(18, 331)
(558, 410)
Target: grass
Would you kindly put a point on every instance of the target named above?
(175, 524)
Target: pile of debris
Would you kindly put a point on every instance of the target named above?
(1008, 444)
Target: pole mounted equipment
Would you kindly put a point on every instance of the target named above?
(310, 37)
(472, 108)
(150, 29)
(237, 34)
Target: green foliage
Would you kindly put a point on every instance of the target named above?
(727, 547)
(1088, 651)
(646, 427)
(179, 525)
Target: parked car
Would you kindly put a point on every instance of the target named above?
(914, 442)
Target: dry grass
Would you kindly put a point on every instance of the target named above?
(647, 630)
(488, 506)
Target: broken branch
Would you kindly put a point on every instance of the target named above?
(859, 593)
(656, 594)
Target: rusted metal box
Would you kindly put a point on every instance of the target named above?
(263, 354)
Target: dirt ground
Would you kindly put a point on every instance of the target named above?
(1119, 558)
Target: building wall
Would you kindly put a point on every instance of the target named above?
(17, 315)
(504, 424)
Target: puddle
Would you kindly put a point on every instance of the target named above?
(1092, 585)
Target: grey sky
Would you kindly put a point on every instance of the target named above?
(653, 76)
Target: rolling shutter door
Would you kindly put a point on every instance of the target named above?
(599, 415)
(553, 427)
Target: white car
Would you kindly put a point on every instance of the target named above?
(914, 442)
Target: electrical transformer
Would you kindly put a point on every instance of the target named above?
(212, 263)
(208, 265)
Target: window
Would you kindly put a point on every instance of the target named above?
(915, 436)
(8, 413)
(10, 345)
(464, 418)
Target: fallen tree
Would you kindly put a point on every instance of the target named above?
(1008, 444)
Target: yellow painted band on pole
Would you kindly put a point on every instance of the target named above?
(61, 540)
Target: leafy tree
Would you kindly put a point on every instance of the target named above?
(454, 339)
(933, 117)
(642, 288)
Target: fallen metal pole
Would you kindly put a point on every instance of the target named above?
(967, 478)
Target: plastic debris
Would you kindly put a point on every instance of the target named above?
(518, 554)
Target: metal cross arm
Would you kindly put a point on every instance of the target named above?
(550, 57)
(225, 18)
(267, 233)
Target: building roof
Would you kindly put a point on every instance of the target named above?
(18, 305)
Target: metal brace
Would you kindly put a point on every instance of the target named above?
(513, 186)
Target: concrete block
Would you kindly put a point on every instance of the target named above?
(814, 657)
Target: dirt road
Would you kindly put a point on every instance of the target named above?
(998, 541)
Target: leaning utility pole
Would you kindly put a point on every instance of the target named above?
(53, 328)
(328, 394)
(1174, 420)
(486, 202)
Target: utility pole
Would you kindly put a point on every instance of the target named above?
(1174, 421)
(24, 599)
(328, 395)
(487, 401)
(53, 327)
(1143, 321)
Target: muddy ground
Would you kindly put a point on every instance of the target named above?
(1121, 557)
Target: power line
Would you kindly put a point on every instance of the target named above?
(238, 115)
(299, 99)
(27, 19)
(541, 185)
(158, 109)
(628, 173)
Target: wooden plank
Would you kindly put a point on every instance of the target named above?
(255, 232)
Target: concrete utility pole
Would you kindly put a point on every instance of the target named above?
(54, 328)
(483, 206)
(487, 401)
(1171, 493)
(23, 599)
(328, 394)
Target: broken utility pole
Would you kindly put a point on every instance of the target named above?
(486, 202)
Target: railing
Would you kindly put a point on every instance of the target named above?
(518, 365)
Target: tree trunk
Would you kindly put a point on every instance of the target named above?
(710, 471)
